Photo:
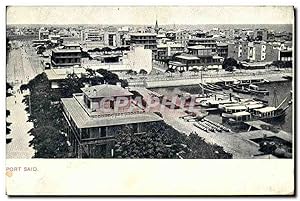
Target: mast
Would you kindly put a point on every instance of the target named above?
(275, 98)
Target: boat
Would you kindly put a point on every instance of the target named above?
(210, 87)
(260, 100)
(215, 87)
(200, 126)
(288, 77)
(254, 89)
(239, 89)
(269, 113)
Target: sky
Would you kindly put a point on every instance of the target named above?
(147, 15)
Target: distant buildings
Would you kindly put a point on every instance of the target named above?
(121, 59)
(43, 34)
(199, 57)
(252, 51)
(97, 115)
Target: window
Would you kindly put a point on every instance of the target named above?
(94, 132)
(103, 131)
(135, 128)
(85, 133)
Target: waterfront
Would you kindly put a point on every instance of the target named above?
(282, 89)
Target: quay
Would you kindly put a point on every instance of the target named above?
(161, 82)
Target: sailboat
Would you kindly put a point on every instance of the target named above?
(268, 113)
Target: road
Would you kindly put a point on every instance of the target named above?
(19, 145)
(20, 70)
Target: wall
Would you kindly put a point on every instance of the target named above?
(140, 58)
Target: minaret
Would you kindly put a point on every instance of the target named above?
(156, 28)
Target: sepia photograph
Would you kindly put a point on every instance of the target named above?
(150, 82)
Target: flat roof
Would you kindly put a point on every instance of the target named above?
(143, 34)
(61, 73)
(187, 57)
(238, 107)
(198, 47)
(255, 106)
(83, 120)
(216, 57)
(265, 109)
(105, 90)
(65, 50)
(243, 113)
(71, 44)
(222, 44)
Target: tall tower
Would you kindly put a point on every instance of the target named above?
(156, 28)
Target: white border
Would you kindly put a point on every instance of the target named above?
(128, 2)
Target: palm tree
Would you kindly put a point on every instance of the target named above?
(170, 71)
(195, 70)
(143, 72)
(181, 72)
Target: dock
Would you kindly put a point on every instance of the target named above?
(261, 132)
(160, 82)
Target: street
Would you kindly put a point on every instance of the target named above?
(19, 71)
(19, 145)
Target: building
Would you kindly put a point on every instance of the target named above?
(222, 50)
(112, 39)
(67, 55)
(207, 42)
(148, 40)
(156, 28)
(97, 115)
(261, 34)
(252, 51)
(182, 37)
(285, 55)
(43, 34)
(92, 35)
(117, 60)
(199, 57)
(167, 50)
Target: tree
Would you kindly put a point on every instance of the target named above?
(8, 94)
(181, 72)
(170, 71)
(229, 62)
(229, 68)
(195, 70)
(48, 142)
(143, 72)
(163, 141)
(72, 84)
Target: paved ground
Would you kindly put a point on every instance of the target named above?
(19, 146)
(19, 70)
(234, 144)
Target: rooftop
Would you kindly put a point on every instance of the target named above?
(222, 44)
(243, 113)
(266, 109)
(198, 47)
(83, 120)
(143, 34)
(105, 90)
(255, 106)
(58, 50)
(71, 44)
(187, 57)
(61, 73)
